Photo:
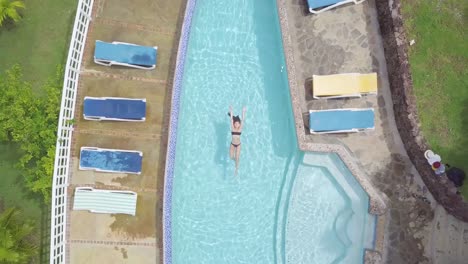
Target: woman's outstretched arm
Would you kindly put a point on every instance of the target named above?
(231, 117)
(243, 113)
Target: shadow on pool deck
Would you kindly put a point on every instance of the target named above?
(94, 238)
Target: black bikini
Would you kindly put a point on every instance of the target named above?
(238, 134)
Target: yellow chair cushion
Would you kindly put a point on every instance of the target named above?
(344, 84)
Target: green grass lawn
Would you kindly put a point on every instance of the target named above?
(439, 61)
(39, 43)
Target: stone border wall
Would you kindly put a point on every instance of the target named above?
(406, 115)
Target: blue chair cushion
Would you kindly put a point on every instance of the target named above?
(114, 108)
(321, 3)
(125, 53)
(340, 120)
(111, 160)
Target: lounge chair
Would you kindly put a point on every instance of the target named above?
(319, 6)
(111, 160)
(340, 120)
(125, 54)
(344, 85)
(105, 201)
(114, 108)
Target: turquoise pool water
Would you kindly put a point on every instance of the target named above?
(235, 58)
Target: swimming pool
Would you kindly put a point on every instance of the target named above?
(235, 57)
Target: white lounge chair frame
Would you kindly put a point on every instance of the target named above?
(98, 118)
(354, 95)
(335, 5)
(104, 149)
(91, 189)
(110, 63)
(354, 130)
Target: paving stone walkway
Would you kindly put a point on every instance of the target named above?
(344, 40)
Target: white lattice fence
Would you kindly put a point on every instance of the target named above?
(58, 226)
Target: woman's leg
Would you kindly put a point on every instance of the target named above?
(237, 156)
(232, 151)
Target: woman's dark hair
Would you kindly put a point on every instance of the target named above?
(235, 118)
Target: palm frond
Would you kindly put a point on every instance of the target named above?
(9, 10)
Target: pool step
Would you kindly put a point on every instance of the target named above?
(282, 208)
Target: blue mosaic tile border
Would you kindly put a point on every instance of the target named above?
(171, 147)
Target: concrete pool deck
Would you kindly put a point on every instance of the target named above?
(106, 238)
(347, 39)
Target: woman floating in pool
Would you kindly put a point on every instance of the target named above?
(236, 130)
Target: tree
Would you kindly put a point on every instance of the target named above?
(9, 10)
(15, 242)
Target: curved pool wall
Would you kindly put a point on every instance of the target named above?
(172, 135)
(326, 208)
(285, 150)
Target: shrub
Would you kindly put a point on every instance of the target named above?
(31, 121)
